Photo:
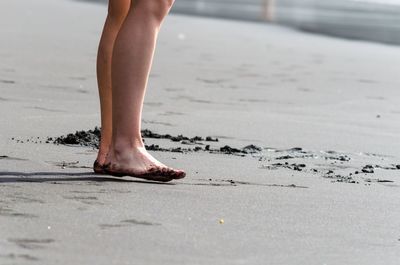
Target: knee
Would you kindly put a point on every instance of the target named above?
(156, 9)
(118, 9)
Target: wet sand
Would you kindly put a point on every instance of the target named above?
(305, 169)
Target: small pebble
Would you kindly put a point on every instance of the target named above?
(181, 36)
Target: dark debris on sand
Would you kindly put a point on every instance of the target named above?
(84, 138)
(91, 138)
(293, 166)
(149, 134)
(327, 164)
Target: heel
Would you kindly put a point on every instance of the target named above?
(97, 168)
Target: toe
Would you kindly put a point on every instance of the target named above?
(176, 173)
(180, 174)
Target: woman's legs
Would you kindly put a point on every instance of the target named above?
(131, 63)
(117, 11)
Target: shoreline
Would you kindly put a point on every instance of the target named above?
(344, 19)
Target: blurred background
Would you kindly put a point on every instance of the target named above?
(373, 20)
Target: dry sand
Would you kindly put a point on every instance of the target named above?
(245, 83)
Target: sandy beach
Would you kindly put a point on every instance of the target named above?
(306, 169)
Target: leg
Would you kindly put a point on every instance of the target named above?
(131, 64)
(117, 11)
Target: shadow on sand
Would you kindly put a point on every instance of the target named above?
(40, 177)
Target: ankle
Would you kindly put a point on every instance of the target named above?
(123, 145)
(104, 147)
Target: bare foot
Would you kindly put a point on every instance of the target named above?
(139, 163)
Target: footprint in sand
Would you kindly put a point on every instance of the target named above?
(129, 222)
(31, 243)
(4, 81)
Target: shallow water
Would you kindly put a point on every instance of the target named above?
(371, 20)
